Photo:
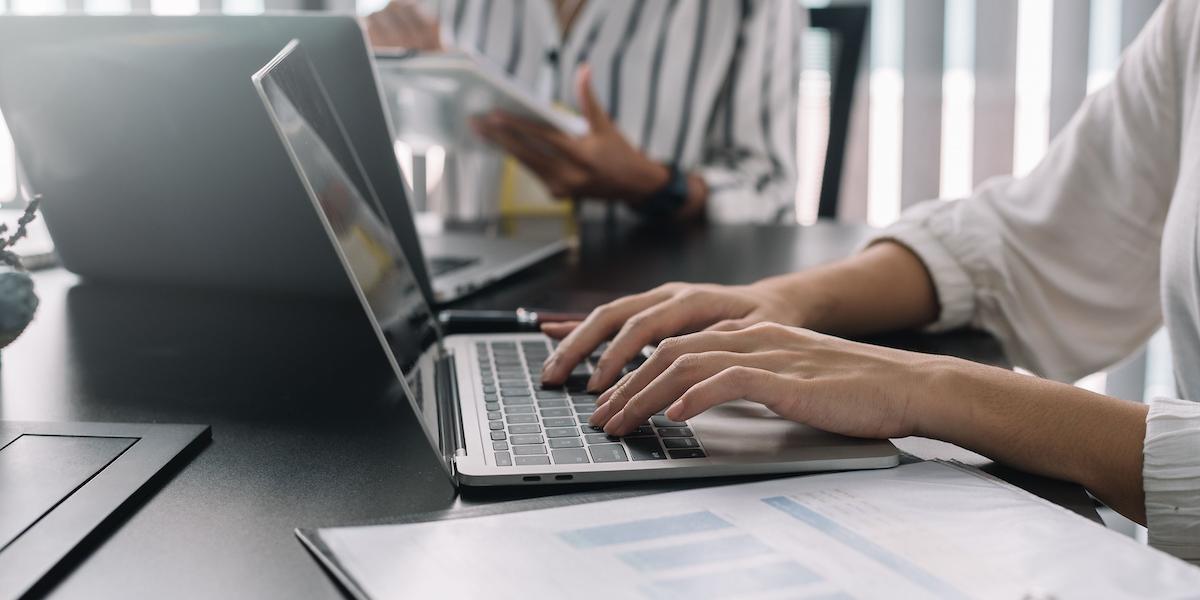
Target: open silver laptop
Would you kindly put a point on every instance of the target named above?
(478, 396)
(157, 166)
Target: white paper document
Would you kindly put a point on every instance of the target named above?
(924, 530)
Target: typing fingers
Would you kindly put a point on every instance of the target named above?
(685, 312)
(599, 325)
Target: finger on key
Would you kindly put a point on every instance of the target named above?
(594, 330)
(687, 371)
(682, 314)
(559, 330)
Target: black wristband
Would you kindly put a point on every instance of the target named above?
(667, 201)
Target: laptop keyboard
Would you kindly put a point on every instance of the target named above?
(529, 425)
(440, 265)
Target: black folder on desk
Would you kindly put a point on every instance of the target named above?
(60, 482)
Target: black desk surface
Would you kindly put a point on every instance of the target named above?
(307, 427)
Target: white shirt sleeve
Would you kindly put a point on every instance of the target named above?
(1171, 477)
(1062, 266)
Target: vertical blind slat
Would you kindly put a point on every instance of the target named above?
(921, 133)
(1134, 14)
(852, 206)
(1068, 60)
(995, 88)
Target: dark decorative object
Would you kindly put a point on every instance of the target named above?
(17, 298)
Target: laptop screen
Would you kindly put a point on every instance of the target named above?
(350, 211)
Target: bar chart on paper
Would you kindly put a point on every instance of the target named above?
(928, 530)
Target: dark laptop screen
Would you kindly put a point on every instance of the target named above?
(350, 209)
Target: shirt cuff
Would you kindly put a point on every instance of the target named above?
(1171, 477)
(955, 292)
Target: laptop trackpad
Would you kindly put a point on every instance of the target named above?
(37, 472)
(743, 431)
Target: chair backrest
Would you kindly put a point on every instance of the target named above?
(847, 25)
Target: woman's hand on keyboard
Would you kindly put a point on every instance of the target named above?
(647, 318)
(824, 381)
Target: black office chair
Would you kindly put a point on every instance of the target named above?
(847, 26)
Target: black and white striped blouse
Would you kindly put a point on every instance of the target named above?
(709, 84)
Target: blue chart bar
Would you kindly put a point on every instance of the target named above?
(642, 530)
(695, 553)
(868, 548)
(726, 584)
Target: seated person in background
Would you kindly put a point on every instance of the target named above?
(692, 104)
(1062, 266)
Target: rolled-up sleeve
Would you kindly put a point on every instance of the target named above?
(1062, 265)
(1171, 477)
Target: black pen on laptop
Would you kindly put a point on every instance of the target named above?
(501, 321)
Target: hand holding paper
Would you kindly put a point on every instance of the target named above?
(599, 164)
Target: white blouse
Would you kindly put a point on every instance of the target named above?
(1074, 266)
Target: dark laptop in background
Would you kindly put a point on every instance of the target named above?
(156, 163)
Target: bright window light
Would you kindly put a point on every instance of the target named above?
(8, 175)
(174, 7)
(886, 112)
(1034, 19)
(958, 100)
(242, 7)
(38, 7)
(366, 7)
(1104, 44)
(106, 7)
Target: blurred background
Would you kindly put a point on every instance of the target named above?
(947, 94)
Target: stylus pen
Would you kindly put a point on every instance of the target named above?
(500, 321)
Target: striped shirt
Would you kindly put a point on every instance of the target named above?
(711, 85)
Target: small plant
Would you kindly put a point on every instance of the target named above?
(7, 256)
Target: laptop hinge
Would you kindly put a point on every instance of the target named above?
(449, 419)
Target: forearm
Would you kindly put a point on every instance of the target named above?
(1039, 426)
(883, 288)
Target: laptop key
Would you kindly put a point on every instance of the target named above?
(570, 456)
(584, 399)
(526, 438)
(676, 443)
(531, 428)
(495, 425)
(663, 421)
(494, 415)
(527, 450)
(604, 453)
(645, 448)
(550, 395)
(499, 435)
(553, 404)
(522, 419)
(558, 422)
(600, 438)
(556, 412)
(688, 453)
(503, 459)
(521, 409)
(675, 432)
(566, 442)
(490, 406)
(561, 432)
(641, 431)
(529, 461)
(519, 400)
(591, 429)
(499, 445)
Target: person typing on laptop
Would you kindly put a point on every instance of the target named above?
(692, 105)
(1062, 266)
